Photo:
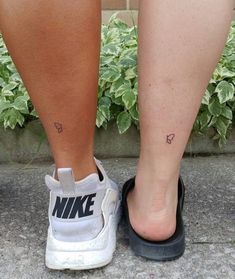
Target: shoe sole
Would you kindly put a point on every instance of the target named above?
(83, 255)
(157, 251)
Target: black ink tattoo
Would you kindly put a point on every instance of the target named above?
(58, 127)
(169, 138)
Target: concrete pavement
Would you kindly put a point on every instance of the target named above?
(209, 217)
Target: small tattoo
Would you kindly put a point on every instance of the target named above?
(169, 138)
(58, 127)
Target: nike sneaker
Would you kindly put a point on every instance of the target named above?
(83, 219)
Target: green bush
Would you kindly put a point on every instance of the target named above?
(117, 93)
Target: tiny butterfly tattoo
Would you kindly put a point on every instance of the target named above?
(169, 138)
(58, 127)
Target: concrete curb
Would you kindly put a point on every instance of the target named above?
(30, 143)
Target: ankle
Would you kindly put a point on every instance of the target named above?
(81, 169)
(160, 174)
(152, 203)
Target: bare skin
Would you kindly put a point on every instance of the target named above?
(60, 43)
(180, 43)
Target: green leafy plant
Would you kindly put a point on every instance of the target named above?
(118, 76)
(15, 105)
(218, 104)
(117, 92)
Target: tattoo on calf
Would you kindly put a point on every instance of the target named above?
(170, 138)
(58, 127)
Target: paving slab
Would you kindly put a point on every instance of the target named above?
(209, 218)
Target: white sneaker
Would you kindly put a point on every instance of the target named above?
(83, 218)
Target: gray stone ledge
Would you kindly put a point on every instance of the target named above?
(30, 143)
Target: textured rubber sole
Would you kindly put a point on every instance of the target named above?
(85, 255)
(75, 260)
(157, 251)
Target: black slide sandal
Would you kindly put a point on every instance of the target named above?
(167, 250)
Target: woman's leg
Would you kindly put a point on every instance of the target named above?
(55, 46)
(180, 43)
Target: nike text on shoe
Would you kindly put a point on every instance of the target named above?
(83, 217)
